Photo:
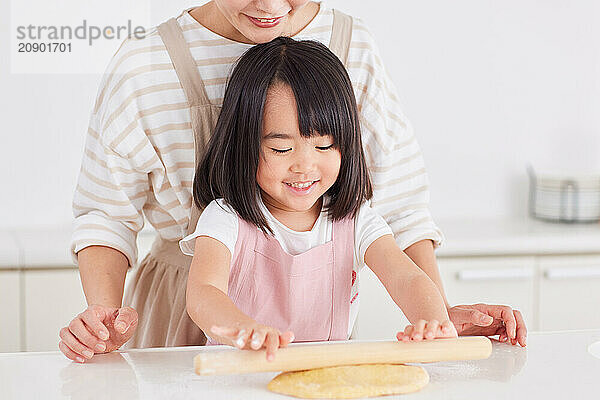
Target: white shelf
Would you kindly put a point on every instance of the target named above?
(501, 237)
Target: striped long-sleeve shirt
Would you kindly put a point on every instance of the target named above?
(139, 152)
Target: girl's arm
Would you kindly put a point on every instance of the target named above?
(410, 288)
(212, 310)
(207, 301)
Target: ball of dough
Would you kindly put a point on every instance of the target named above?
(351, 381)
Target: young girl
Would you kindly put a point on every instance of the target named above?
(286, 228)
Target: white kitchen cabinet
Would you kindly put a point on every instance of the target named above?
(507, 281)
(467, 280)
(52, 298)
(569, 292)
(10, 311)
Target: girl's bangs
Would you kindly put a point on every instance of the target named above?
(322, 107)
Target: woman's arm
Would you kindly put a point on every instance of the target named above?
(410, 288)
(423, 255)
(207, 301)
(102, 271)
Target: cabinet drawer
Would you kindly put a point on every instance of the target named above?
(569, 292)
(493, 280)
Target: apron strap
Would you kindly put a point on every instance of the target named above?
(203, 119)
(343, 241)
(185, 65)
(341, 35)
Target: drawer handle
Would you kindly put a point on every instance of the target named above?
(569, 273)
(494, 274)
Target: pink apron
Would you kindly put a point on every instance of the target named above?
(308, 293)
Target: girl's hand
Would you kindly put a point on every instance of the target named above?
(99, 329)
(255, 337)
(427, 330)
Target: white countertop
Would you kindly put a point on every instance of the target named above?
(557, 365)
(9, 250)
(48, 247)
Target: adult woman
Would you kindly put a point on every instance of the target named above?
(156, 106)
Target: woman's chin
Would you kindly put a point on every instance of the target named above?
(263, 35)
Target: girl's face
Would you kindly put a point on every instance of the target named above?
(261, 21)
(293, 171)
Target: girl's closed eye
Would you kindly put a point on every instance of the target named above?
(325, 147)
(280, 151)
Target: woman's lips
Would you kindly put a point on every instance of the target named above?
(265, 22)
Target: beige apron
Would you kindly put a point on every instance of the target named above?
(157, 288)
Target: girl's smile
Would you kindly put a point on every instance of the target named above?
(301, 185)
(302, 188)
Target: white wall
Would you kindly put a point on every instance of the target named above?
(488, 86)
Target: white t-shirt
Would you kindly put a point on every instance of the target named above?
(219, 221)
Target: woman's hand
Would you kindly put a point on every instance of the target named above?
(490, 320)
(255, 337)
(427, 330)
(99, 329)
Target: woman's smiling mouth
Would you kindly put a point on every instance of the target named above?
(265, 22)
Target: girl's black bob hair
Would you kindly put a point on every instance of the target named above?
(326, 106)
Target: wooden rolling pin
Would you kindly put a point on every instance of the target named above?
(298, 357)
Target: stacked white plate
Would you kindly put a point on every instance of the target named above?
(564, 198)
